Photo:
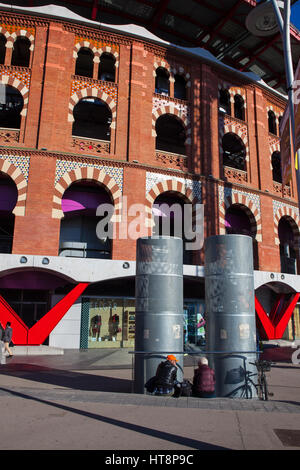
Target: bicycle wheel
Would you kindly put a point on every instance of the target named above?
(265, 389)
(246, 392)
(259, 389)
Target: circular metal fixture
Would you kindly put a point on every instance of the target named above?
(272, 276)
(23, 259)
(126, 265)
(282, 276)
(45, 261)
(262, 20)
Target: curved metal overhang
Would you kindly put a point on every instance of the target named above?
(218, 27)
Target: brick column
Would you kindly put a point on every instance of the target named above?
(141, 141)
(268, 252)
(134, 191)
(264, 162)
(194, 162)
(37, 233)
(250, 114)
(36, 87)
(209, 119)
(123, 103)
(55, 130)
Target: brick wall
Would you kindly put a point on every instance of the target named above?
(47, 135)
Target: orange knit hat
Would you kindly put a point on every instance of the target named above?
(171, 358)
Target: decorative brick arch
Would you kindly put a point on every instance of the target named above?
(91, 174)
(14, 82)
(274, 147)
(248, 206)
(233, 90)
(109, 50)
(93, 93)
(162, 187)
(86, 44)
(172, 69)
(7, 35)
(289, 213)
(239, 130)
(97, 52)
(25, 34)
(15, 174)
(171, 109)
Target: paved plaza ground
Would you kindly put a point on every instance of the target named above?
(83, 400)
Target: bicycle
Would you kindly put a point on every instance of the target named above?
(262, 367)
(261, 387)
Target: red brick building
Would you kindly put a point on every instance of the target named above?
(92, 114)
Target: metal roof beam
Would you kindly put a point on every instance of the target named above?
(219, 25)
(158, 13)
(260, 51)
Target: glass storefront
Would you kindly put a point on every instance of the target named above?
(194, 323)
(109, 322)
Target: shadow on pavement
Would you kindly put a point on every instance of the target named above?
(68, 379)
(174, 438)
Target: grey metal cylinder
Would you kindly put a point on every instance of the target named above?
(159, 306)
(230, 309)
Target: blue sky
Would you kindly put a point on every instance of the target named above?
(295, 16)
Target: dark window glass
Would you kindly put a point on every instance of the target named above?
(21, 52)
(92, 119)
(234, 151)
(11, 105)
(171, 134)
(84, 63)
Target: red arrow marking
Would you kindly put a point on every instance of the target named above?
(38, 332)
(273, 326)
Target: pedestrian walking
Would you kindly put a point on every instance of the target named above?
(204, 380)
(7, 336)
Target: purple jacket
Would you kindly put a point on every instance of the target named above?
(204, 379)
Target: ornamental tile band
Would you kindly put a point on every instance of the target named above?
(63, 166)
(20, 162)
(153, 178)
(227, 192)
(20, 73)
(110, 90)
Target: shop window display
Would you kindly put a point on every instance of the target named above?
(111, 323)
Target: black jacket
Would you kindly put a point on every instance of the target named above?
(7, 336)
(166, 374)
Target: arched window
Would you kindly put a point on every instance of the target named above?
(2, 48)
(78, 234)
(92, 119)
(287, 246)
(168, 213)
(224, 102)
(238, 222)
(276, 167)
(171, 134)
(84, 62)
(239, 107)
(8, 200)
(272, 122)
(162, 81)
(21, 52)
(180, 87)
(107, 68)
(234, 152)
(11, 106)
